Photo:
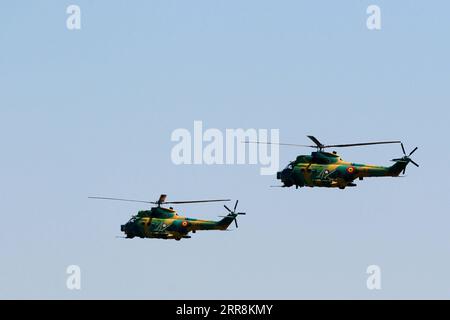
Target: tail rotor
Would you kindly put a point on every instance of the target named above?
(406, 158)
(233, 214)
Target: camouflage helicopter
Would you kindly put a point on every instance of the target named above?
(325, 169)
(165, 223)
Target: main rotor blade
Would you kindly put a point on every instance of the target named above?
(414, 163)
(195, 201)
(119, 199)
(403, 148)
(282, 144)
(235, 205)
(317, 142)
(413, 151)
(359, 144)
(159, 202)
(320, 145)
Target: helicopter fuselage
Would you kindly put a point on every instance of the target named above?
(163, 223)
(323, 169)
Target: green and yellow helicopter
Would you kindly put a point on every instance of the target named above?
(165, 223)
(325, 169)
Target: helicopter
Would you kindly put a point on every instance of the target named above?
(325, 169)
(164, 223)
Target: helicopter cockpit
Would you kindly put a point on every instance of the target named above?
(303, 159)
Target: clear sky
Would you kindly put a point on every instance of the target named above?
(90, 112)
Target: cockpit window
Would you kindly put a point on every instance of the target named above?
(290, 166)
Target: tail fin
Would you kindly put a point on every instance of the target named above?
(398, 167)
(226, 221)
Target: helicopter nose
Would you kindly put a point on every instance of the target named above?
(122, 228)
(282, 175)
(285, 177)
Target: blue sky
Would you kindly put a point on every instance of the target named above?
(90, 112)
